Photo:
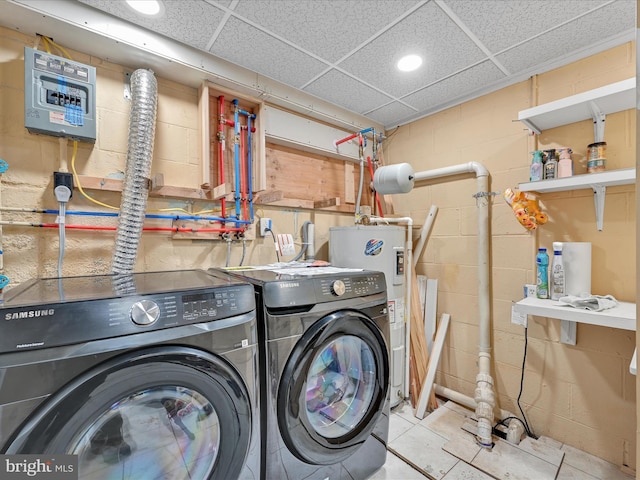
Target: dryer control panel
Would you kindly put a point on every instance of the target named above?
(298, 291)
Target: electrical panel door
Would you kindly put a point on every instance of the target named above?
(59, 96)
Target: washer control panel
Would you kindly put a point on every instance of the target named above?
(64, 323)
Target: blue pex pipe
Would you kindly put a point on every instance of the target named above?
(149, 215)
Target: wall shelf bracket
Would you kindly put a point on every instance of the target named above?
(598, 122)
(599, 192)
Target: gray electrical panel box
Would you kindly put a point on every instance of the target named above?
(59, 96)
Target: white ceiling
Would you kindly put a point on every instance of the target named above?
(344, 51)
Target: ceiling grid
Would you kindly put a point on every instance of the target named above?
(344, 52)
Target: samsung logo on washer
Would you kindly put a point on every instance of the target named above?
(29, 314)
(289, 285)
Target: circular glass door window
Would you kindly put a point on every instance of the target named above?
(164, 432)
(341, 384)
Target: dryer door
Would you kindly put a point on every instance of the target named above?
(162, 412)
(333, 388)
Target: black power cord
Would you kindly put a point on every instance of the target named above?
(506, 421)
(275, 243)
(524, 361)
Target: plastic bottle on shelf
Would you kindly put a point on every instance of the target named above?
(542, 277)
(551, 165)
(557, 273)
(535, 171)
(565, 164)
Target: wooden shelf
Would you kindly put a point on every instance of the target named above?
(598, 182)
(158, 188)
(592, 104)
(623, 316)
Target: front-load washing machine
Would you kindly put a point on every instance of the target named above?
(325, 370)
(142, 376)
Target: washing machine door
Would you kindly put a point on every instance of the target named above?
(162, 412)
(333, 388)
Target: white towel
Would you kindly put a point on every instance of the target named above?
(595, 303)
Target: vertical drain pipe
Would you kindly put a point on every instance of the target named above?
(400, 178)
(142, 125)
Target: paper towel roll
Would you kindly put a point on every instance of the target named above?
(576, 257)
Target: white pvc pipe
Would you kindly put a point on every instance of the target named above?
(471, 167)
(398, 178)
(407, 300)
(464, 400)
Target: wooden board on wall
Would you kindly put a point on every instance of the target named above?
(318, 181)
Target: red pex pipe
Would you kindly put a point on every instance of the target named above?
(346, 139)
(221, 179)
(146, 229)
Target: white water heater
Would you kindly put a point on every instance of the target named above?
(380, 248)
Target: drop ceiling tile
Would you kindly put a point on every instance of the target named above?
(346, 92)
(327, 28)
(389, 115)
(255, 50)
(577, 34)
(499, 24)
(460, 85)
(194, 28)
(428, 32)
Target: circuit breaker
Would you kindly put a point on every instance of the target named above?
(59, 96)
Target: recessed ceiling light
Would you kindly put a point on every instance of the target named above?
(146, 7)
(409, 63)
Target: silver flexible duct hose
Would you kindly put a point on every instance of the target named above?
(142, 125)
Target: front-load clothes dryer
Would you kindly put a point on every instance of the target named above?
(325, 369)
(141, 376)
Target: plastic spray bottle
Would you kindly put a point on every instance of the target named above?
(542, 278)
(535, 171)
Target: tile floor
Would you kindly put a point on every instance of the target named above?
(441, 447)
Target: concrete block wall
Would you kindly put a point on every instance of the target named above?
(33, 252)
(583, 395)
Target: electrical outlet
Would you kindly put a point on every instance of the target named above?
(265, 226)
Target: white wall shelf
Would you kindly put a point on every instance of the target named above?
(593, 104)
(623, 317)
(598, 182)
